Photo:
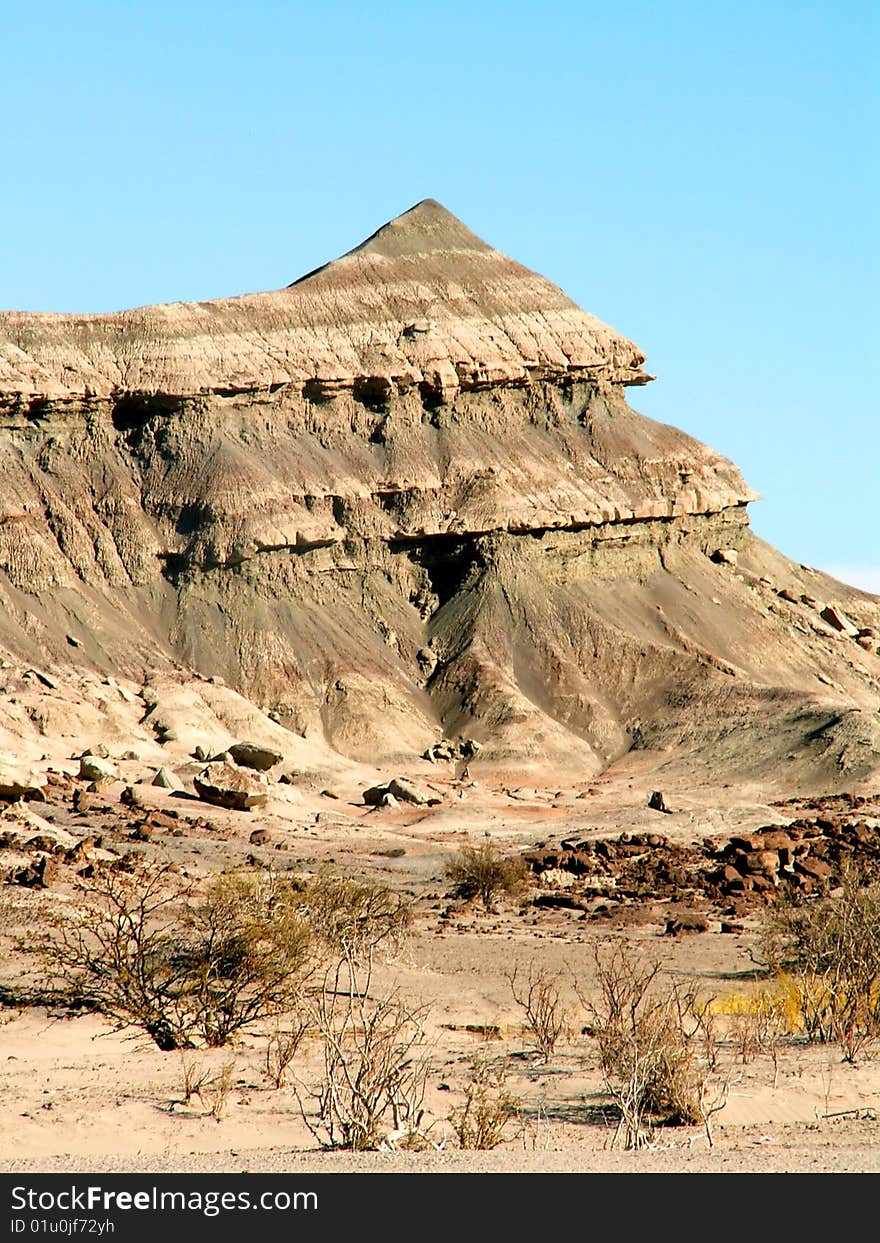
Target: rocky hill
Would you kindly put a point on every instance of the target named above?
(405, 498)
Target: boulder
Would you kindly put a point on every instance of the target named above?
(408, 791)
(250, 755)
(686, 923)
(773, 839)
(224, 785)
(96, 768)
(814, 869)
(657, 803)
(37, 875)
(725, 556)
(13, 788)
(166, 779)
(762, 863)
(838, 620)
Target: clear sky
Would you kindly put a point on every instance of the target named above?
(702, 175)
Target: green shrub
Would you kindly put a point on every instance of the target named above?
(481, 872)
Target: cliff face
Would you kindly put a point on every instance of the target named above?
(402, 497)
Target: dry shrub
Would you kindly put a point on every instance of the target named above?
(830, 950)
(652, 1046)
(216, 1091)
(195, 1076)
(282, 1046)
(350, 918)
(211, 1089)
(537, 994)
(247, 950)
(372, 1086)
(143, 950)
(488, 1107)
(481, 872)
(756, 1022)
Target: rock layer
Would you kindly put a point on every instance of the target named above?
(405, 498)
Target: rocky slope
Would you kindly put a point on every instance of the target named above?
(405, 497)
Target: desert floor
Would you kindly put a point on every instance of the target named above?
(76, 1095)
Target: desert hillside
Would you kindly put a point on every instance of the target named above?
(405, 498)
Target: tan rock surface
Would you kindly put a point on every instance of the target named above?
(403, 499)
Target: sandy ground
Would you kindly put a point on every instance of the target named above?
(75, 1095)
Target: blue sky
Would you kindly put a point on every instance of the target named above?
(702, 176)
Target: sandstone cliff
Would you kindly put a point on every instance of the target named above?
(405, 496)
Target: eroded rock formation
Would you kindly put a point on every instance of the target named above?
(405, 498)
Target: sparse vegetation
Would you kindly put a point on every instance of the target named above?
(830, 949)
(372, 1085)
(536, 992)
(211, 1088)
(481, 872)
(350, 918)
(282, 1045)
(757, 1022)
(652, 1040)
(488, 1108)
(143, 950)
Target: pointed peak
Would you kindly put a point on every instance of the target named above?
(426, 227)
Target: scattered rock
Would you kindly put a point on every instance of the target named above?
(836, 618)
(259, 837)
(162, 819)
(686, 923)
(249, 755)
(725, 556)
(14, 788)
(447, 749)
(96, 768)
(166, 779)
(42, 678)
(408, 791)
(131, 797)
(36, 875)
(657, 803)
(82, 800)
(224, 785)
